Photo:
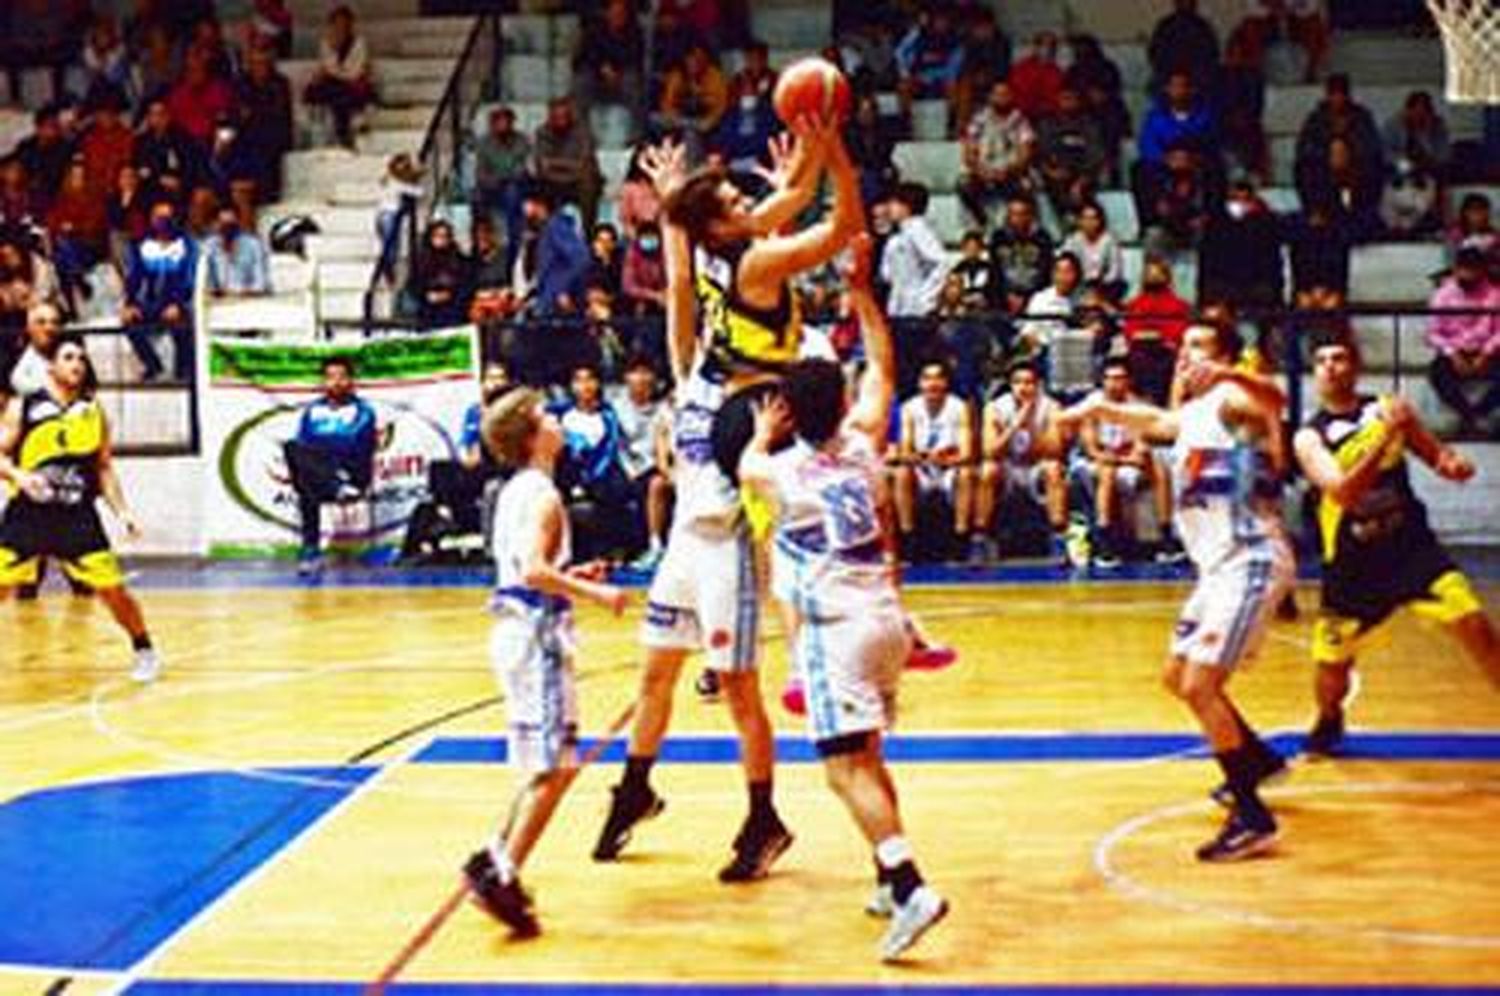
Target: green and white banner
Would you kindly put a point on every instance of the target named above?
(419, 386)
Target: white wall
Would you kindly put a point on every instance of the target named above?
(168, 496)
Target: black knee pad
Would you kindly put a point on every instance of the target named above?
(842, 746)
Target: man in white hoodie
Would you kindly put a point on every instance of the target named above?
(914, 263)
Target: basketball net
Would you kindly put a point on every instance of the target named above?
(1471, 48)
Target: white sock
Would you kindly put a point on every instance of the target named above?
(894, 852)
(503, 864)
(656, 544)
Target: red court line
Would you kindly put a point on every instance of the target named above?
(434, 923)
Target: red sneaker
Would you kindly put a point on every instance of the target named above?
(926, 656)
(793, 698)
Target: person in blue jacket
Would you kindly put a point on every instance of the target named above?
(332, 457)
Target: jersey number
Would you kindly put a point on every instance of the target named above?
(849, 514)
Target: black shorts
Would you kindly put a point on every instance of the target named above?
(734, 426)
(1371, 585)
(70, 533)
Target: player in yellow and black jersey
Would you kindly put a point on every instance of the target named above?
(1378, 551)
(55, 460)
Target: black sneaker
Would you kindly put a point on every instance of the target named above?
(707, 685)
(1170, 551)
(1273, 769)
(1326, 737)
(759, 844)
(1286, 609)
(626, 809)
(505, 901)
(1239, 839)
(28, 592)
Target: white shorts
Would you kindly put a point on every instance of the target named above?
(850, 668)
(1028, 478)
(942, 480)
(531, 650)
(1225, 619)
(704, 597)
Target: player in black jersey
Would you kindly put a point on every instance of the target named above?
(1378, 551)
(55, 458)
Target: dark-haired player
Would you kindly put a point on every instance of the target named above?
(55, 457)
(1379, 553)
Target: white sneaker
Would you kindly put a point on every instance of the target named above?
(912, 919)
(881, 904)
(147, 666)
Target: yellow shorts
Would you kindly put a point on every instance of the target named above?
(760, 514)
(97, 570)
(1338, 639)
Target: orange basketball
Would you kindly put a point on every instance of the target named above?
(814, 87)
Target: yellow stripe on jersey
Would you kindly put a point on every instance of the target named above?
(75, 434)
(740, 336)
(1370, 436)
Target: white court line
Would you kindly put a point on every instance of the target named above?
(1133, 889)
(142, 967)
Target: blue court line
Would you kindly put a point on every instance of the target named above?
(981, 748)
(97, 875)
(189, 987)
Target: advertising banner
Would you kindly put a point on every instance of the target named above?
(419, 386)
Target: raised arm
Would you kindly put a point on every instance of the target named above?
(773, 422)
(797, 167)
(1158, 423)
(666, 166)
(871, 413)
(1343, 486)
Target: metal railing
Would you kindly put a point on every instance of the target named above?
(474, 81)
(159, 418)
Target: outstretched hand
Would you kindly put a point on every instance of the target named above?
(773, 419)
(781, 152)
(665, 165)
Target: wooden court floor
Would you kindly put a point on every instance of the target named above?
(292, 802)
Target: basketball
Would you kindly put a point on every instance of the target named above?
(814, 87)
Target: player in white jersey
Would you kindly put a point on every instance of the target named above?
(1228, 519)
(531, 644)
(851, 637)
(936, 451)
(705, 596)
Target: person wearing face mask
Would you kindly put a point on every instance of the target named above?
(1239, 257)
(644, 279)
(1467, 347)
(238, 264)
(159, 293)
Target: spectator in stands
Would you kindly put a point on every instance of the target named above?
(914, 262)
(1037, 79)
(202, 213)
(638, 202)
(108, 144)
(1071, 156)
(566, 159)
(1020, 255)
(694, 96)
(986, 61)
(1179, 116)
(1015, 456)
(1337, 117)
(158, 60)
(607, 267)
(78, 226)
(563, 259)
(26, 278)
(997, 151)
(43, 326)
(1118, 463)
(164, 152)
(201, 99)
(1155, 321)
(1239, 258)
(45, 154)
(1349, 184)
(159, 279)
(973, 273)
(1098, 80)
(238, 262)
(1176, 199)
(1240, 101)
(1318, 247)
(1418, 134)
(669, 47)
(871, 148)
(1409, 202)
(502, 160)
(20, 207)
(1097, 250)
(750, 119)
(1050, 311)
(490, 271)
(270, 28)
(1183, 42)
(1467, 346)
(264, 96)
(645, 452)
(343, 83)
(643, 280)
(332, 457)
(441, 280)
(929, 58)
(207, 37)
(962, 335)
(591, 470)
(611, 59)
(230, 160)
(868, 53)
(1473, 228)
(44, 33)
(1302, 22)
(104, 61)
(936, 454)
(128, 214)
